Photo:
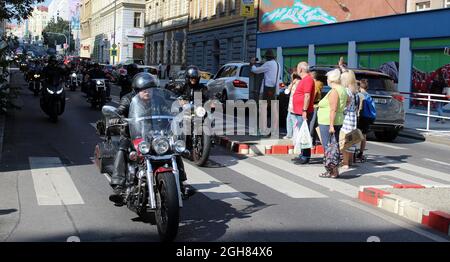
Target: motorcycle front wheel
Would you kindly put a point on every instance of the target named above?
(167, 207)
(201, 149)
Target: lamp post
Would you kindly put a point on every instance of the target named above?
(52, 33)
(114, 46)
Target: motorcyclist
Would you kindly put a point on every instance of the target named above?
(126, 81)
(97, 73)
(52, 73)
(192, 84)
(141, 83)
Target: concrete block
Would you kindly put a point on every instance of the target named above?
(413, 211)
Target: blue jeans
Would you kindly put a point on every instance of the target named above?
(325, 134)
(440, 108)
(306, 153)
(290, 122)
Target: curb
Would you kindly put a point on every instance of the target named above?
(424, 137)
(413, 211)
(253, 149)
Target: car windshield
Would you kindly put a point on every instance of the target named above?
(152, 112)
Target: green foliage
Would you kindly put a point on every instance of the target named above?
(60, 26)
(17, 9)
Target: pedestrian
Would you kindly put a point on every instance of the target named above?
(168, 71)
(160, 69)
(348, 80)
(331, 117)
(291, 119)
(303, 104)
(364, 121)
(271, 70)
(318, 86)
(437, 87)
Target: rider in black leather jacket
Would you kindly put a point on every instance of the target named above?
(192, 84)
(141, 82)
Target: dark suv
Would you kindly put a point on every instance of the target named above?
(389, 102)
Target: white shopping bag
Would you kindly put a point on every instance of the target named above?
(302, 137)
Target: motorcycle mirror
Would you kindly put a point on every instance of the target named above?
(109, 111)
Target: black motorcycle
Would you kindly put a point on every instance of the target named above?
(152, 175)
(35, 83)
(98, 92)
(74, 81)
(53, 100)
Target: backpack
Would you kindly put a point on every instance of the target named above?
(369, 110)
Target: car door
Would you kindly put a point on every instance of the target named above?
(214, 85)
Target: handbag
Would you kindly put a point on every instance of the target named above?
(332, 154)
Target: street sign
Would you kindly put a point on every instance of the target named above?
(114, 46)
(113, 52)
(247, 8)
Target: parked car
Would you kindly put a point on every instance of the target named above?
(389, 102)
(135, 61)
(149, 69)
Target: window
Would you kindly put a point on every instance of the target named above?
(245, 71)
(232, 5)
(137, 20)
(447, 4)
(422, 6)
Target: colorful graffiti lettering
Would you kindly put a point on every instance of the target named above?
(300, 14)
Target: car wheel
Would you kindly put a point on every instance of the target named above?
(388, 135)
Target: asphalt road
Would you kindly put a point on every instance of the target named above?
(51, 190)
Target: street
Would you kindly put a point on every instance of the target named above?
(52, 190)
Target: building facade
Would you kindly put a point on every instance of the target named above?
(119, 23)
(410, 46)
(59, 8)
(166, 26)
(37, 23)
(216, 34)
(424, 5)
(86, 39)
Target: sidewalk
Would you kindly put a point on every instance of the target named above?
(440, 132)
(424, 204)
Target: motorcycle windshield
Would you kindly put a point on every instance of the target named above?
(151, 113)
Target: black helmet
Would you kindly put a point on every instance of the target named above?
(192, 72)
(132, 67)
(144, 81)
(52, 59)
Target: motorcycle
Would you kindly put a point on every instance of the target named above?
(152, 176)
(53, 100)
(98, 92)
(75, 81)
(35, 83)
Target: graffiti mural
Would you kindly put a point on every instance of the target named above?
(299, 14)
(287, 14)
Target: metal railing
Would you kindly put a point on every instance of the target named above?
(429, 98)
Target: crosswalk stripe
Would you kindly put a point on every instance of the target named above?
(438, 162)
(267, 178)
(52, 182)
(311, 174)
(386, 145)
(213, 188)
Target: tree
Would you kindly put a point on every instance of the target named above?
(62, 27)
(17, 9)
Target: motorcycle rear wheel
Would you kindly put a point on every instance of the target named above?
(167, 207)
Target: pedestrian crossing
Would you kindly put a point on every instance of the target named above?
(257, 176)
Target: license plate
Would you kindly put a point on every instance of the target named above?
(380, 100)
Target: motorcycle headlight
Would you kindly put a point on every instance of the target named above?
(36, 76)
(179, 146)
(50, 91)
(144, 147)
(200, 111)
(99, 82)
(74, 75)
(161, 145)
(60, 91)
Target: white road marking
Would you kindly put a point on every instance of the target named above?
(267, 178)
(94, 125)
(395, 221)
(311, 174)
(107, 177)
(438, 162)
(213, 188)
(52, 182)
(386, 145)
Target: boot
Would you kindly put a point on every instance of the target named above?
(118, 177)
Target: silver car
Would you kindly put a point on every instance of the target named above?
(231, 82)
(389, 102)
